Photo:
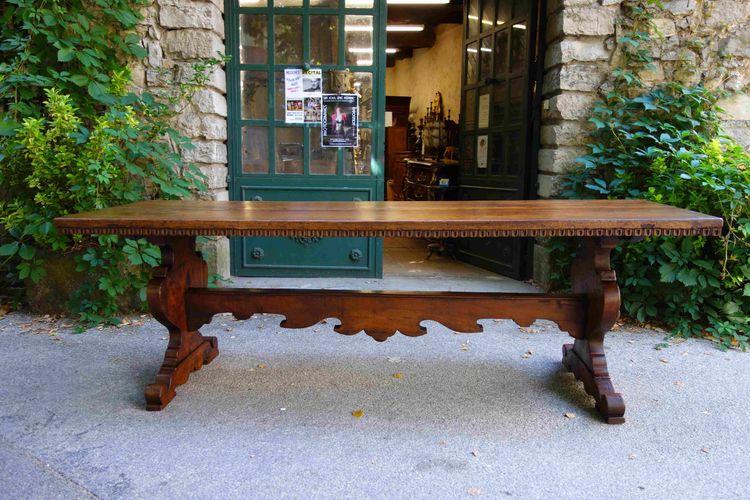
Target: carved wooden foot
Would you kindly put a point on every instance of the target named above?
(188, 350)
(594, 277)
(596, 381)
(177, 367)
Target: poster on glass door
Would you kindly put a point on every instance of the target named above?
(340, 121)
(302, 95)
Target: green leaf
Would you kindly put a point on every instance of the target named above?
(687, 277)
(80, 80)
(27, 252)
(9, 249)
(66, 54)
(668, 273)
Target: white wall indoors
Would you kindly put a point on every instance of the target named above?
(431, 70)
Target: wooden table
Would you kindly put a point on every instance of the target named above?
(179, 298)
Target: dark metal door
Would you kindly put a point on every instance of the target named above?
(498, 122)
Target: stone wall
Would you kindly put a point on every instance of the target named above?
(177, 33)
(694, 41)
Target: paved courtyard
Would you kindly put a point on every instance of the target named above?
(445, 415)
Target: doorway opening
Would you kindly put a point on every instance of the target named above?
(462, 115)
(446, 106)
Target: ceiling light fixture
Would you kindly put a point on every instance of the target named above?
(418, 2)
(391, 50)
(405, 27)
(519, 26)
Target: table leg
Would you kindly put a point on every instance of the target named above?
(188, 350)
(593, 276)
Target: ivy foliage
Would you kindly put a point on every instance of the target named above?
(75, 137)
(665, 144)
(74, 46)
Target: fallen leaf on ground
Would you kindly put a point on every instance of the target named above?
(632, 456)
(474, 452)
(398, 376)
(527, 354)
(262, 365)
(528, 329)
(664, 360)
(358, 413)
(465, 347)
(4, 309)
(474, 492)
(569, 415)
(679, 383)
(705, 450)
(394, 360)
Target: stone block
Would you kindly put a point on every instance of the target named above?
(214, 128)
(542, 266)
(737, 45)
(187, 44)
(736, 107)
(556, 5)
(548, 185)
(565, 133)
(653, 75)
(192, 14)
(740, 133)
(726, 13)
(576, 49)
(681, 7)
(210, 101)
(561, 160)
(138, 73)
(220, 195)
(217, 79)
(206, 152)
(155, 53)
(189, 123)
(569, 106)
(582, 21)
(580, 77)
(216, 175)
(664, 27)
(215, 251)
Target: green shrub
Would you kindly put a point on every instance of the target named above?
(665, 144)
(54, 166)
(73, 137)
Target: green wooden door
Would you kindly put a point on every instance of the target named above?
(273, 160)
